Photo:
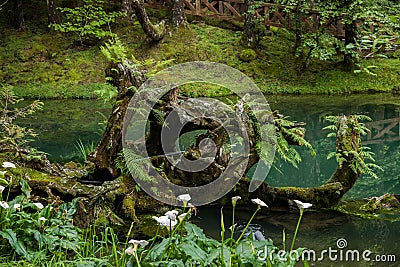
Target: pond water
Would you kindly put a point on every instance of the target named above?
(63, 123)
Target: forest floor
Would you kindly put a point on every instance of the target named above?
(41, 63)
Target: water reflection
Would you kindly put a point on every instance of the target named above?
(319, 230)
(384, 140)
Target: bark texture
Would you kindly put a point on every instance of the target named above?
(178, 17)
(350, 38)
(52, 12)
(103, 158)
(249, 35)
(154, 32)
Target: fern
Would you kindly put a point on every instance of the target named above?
(114, 50)
(130, 163)
(359, 160)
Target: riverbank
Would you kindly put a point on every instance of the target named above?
(47, 65)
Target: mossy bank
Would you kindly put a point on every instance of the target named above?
(40, 63)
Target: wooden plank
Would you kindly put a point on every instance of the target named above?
(210, 7)
(232, 10)
(381, 141)
(189, 4)
(198, 7)
(385, 121)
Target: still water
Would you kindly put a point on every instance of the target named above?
(63, 123)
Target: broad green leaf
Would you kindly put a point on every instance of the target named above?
(19, 247)
(191, 249)
(194, 230)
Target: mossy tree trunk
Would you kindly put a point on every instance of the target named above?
(328, 195)
(154, 32)
(249, 34)
(178, 17)
(103, 157)
(350, 38)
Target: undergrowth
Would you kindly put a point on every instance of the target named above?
(44, 64)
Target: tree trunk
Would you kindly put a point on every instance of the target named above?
(249, 35)
(127, 8)
(154, 32)
(52, 12)
(350, 37)
(324, 196)
(178, 13)
(103, 158)
(297, 27)
(18, 14)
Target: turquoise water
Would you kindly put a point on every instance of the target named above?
(62, 123)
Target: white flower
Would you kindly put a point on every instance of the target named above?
(7, 164)
(141, 243)
(2, 188)
(171, 214)
(182, 216)
(165, 221)
(302, 205)
(259, 202)
(38, 205)
(4, 204)
(130, 250)
(17, 206)
(235, 199)
(185, 198)
(232, 227)
(42, 219)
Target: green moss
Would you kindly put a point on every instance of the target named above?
(128, 207)
(383, 207)
(47, 64)
(247, 55)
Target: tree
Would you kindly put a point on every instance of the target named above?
(154, 32)
(127, 8)
(249, 35)
(89, 22)
(178, 17)
(52, 13)
(18, 14)
(127, 77)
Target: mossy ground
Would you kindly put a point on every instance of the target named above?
(41, 63)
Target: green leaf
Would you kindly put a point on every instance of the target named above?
(157, 251)
(194, 231)
(25, 188)
(191, 249)
(19, 247)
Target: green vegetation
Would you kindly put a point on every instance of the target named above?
(89, 22)
(47, 65)
(41, 62)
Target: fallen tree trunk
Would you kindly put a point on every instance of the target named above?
(348, 143)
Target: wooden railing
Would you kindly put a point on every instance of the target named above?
(271, 14)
